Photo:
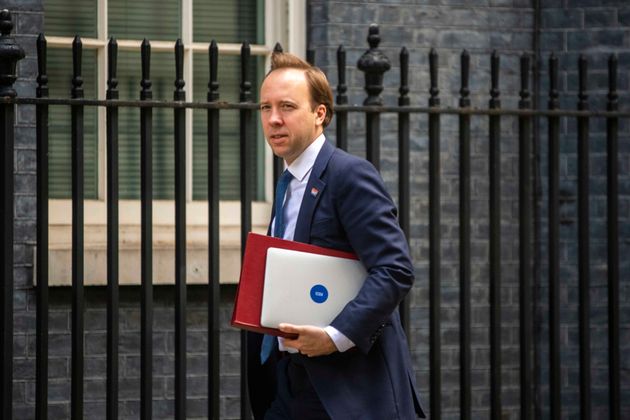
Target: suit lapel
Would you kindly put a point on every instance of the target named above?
(314, 189)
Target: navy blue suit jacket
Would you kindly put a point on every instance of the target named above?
(352, 211)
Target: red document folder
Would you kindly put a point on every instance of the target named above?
(248, 303)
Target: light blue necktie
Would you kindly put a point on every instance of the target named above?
(269, 341)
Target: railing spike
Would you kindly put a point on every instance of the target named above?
(374, 64)
(434, 100)
(213, 85)
(464, 100)
(179, 94)
(403, 99)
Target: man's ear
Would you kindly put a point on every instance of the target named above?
(321, 114)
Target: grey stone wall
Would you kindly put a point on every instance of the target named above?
(28, 23)
(450, 27)
(596, 29)
(27, 19)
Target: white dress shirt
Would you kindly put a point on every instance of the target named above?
(301, 169)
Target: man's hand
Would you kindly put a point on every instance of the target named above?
(311, 341)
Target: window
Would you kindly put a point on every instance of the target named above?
(196, 22)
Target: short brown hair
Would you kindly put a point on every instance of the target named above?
(318, 85)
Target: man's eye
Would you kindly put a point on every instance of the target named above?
(287, 107)
(265, 107)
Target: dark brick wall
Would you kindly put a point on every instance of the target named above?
(28, 22)
(480, 26)
(597, 29)
(449, 27)
(27, 18)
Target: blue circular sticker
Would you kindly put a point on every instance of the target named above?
(319, 293)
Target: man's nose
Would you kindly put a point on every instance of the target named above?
(274, 117)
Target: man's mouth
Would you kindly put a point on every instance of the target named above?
(276, 137)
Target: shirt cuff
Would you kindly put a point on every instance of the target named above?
(342, 342)
(282, 347)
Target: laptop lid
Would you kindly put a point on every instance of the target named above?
(302, 288)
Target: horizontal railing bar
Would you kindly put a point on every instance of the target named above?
(131, 103)
(129, 44)
(346, 108)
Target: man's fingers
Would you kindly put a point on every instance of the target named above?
(290, 328)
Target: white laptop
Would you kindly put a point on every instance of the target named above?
(307, 289)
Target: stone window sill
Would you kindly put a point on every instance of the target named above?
(95, 233)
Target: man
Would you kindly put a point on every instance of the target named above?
(359, 366)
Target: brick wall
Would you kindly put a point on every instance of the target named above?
(28, 23)
(27, 19)
(477, 25)
(597, 29)
(449, 27)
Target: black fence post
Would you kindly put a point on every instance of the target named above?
(435, 243)
(278, 162)
(180, 235)
(464, 243)
(245, 121)
(310, 56)
(525, 228)
(374, 64)
(78, 184)
(495, 242)
(146, 236)
(342, 99)
(584, 243)
(554, 243)
(214, 291)
(404, 189)
(10, 54)
(41, 110)
(612, 127)
(112, 234)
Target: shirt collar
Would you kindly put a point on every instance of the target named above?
(304, 163)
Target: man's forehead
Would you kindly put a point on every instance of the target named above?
(289, 77)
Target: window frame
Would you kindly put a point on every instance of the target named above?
(284, 22)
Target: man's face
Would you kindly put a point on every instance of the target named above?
(288, 119)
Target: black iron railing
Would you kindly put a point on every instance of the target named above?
(375, 64)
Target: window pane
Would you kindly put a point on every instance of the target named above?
(229, 81)
(59, 77)
(162, 79)
(139, 19)
(232, 21)
(70, 18)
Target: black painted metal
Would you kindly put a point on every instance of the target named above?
(41, 382)
(10, 54)
(112, 234)
(612, 133)
(495, 242)
(214, 291)
(77, 235)
(525, 243)
(146, 237)
(435, 243)
(342, 99)
(404, 191)
(246, 160)
(372, 108)
(310, 56)
(464, 244)
(278, 162)
(554, 244)
(180, 236)
(374, 64)
(583, 245)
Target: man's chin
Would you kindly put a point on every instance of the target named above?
(279, 151)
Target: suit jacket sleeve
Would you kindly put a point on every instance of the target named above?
(368, 216)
